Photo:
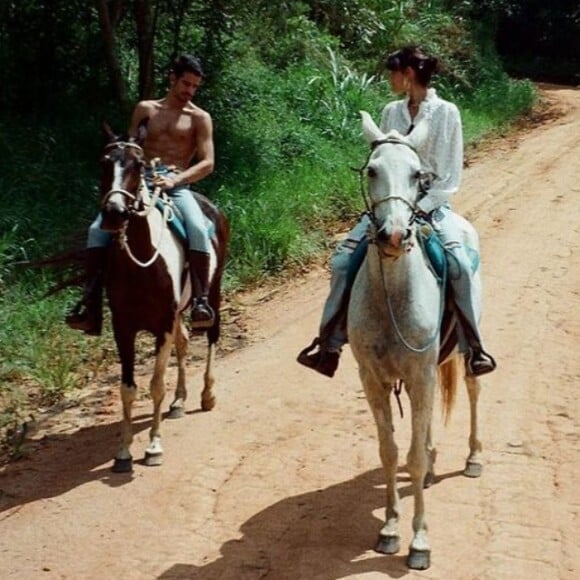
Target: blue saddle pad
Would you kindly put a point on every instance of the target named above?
(435, 253)
(176, 224)
(433, 250)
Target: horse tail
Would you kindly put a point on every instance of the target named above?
(448, 375)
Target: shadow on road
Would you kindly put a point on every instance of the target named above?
(325, 534)
(64, 462)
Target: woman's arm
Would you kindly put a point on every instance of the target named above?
(445, 153)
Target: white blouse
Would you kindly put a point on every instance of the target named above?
(442, 151)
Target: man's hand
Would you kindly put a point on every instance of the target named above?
(165, 182)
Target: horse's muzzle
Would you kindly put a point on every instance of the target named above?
(394, 243)
(114, 219)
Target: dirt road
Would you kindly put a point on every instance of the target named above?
(282, 480)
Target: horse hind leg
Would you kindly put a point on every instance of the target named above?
(154, 451)
(207, 397)
(431, 458)
(473, 465)
(123, 462)
(177, 407)
(208, 400)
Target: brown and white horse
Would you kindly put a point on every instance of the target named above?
(148, 287)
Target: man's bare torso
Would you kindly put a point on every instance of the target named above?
(171, 132)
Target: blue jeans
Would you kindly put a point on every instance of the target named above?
(196, 224)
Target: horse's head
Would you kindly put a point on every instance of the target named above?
(122, 166)
(393, 172)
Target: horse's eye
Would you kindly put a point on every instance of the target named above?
(371, 172)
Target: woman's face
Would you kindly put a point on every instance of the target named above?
(399, 81)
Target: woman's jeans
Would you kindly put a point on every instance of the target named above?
(467, 294)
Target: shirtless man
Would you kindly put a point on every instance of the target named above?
(180, 134)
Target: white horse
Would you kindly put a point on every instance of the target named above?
(394, 321)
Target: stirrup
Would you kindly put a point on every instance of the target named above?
(202, 314)
(478, 362)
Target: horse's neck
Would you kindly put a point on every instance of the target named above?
(140, 230)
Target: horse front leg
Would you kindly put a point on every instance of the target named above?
(123, 462)
(177, 407)
(421, 394)
(378, 397)
(154, 451)
(473, 465)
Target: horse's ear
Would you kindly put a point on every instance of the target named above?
(418, 134)
(108, 134)
(142, 131)
(370, 130)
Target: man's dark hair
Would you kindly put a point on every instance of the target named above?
(186, 63)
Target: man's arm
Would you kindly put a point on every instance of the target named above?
(205, 157)
(140, 113)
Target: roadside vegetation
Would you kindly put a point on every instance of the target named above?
(285, 86)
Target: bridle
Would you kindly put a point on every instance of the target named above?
(369, 204)
(137, 202)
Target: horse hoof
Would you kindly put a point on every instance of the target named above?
(207, 404)
(388, 545)
(473, 469)
(176, 413)
(122, 465)
(153, 459)
(419, 559)
(429, 480)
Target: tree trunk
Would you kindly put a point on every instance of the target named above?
(108, 21)
(146, 20)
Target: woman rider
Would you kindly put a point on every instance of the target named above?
(441, 156)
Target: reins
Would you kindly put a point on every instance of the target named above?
(158, 195)
(167, 216)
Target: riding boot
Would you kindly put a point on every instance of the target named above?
(87, 315)
(477, 361)
(332, 334)
(202, 314)
(323, 360)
